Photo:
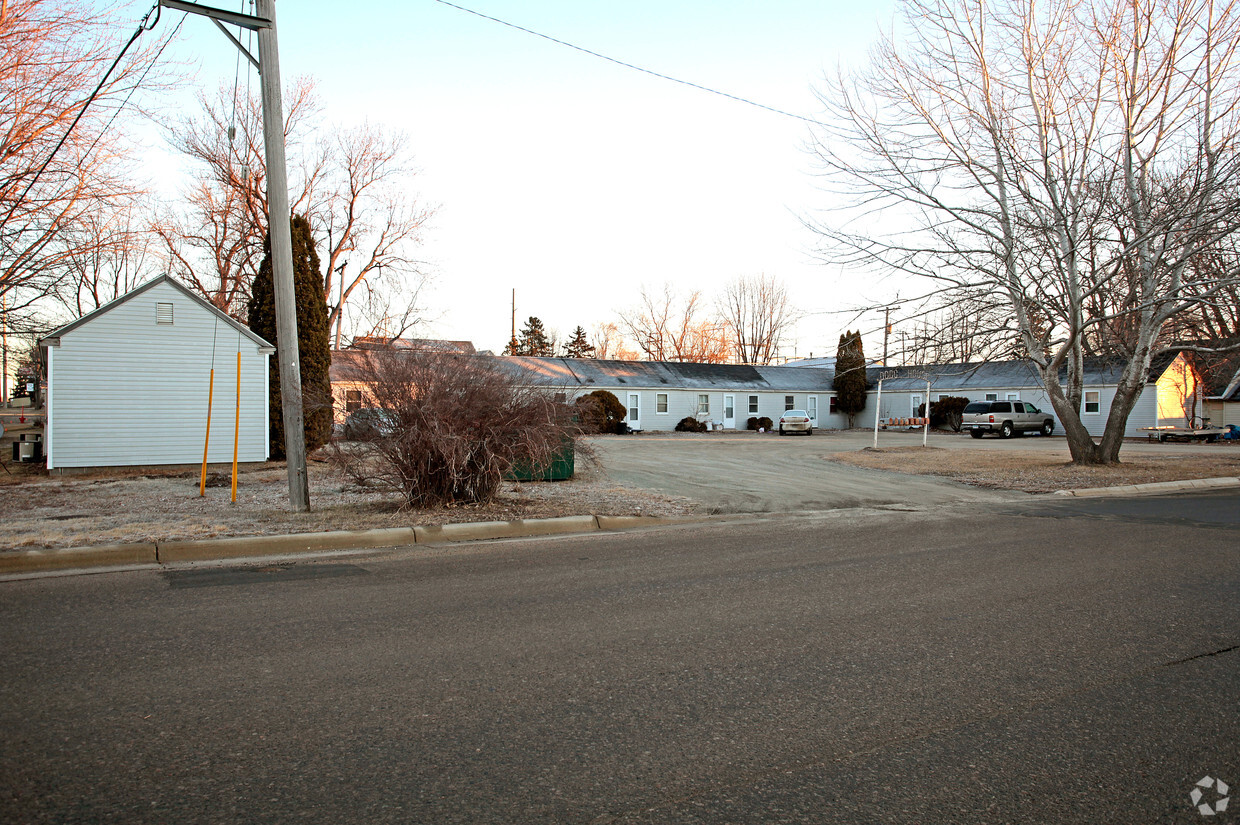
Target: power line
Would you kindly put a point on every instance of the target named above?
(140, 81)
(635, 68)
(142, 27)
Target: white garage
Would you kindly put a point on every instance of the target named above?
(127, 384)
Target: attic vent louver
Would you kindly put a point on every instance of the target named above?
(163, 313)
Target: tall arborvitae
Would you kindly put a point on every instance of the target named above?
(313, 340)
(850, 383)
(578, 346)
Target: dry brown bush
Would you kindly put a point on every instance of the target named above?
(455, 426)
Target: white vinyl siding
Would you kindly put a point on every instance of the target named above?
(126, 389)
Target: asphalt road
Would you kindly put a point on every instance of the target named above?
(1038, 662)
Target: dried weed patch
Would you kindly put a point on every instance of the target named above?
(1038, 472)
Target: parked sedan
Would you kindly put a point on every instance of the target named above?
(795, 421)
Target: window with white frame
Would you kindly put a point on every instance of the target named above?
(916, 404)
(660, 403)
(1092, 402)
(992, 396)
(352, 400)
(790, 403)
(703, 404)
(832, 405)
(1013, 396)
(753, 405)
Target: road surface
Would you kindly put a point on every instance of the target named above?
(1029, 661)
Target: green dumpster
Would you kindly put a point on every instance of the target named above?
(561, 468)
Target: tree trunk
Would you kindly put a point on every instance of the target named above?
(1080, 443)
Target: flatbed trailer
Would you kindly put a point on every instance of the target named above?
(1165, 434)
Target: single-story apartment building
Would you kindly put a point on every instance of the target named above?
(1223, 407)
(1172, 394)
(658, 394)
(127, 384)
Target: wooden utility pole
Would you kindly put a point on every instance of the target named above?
(263, 21)
(512, 346)
(886, 331)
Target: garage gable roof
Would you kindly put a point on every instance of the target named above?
(52, 339)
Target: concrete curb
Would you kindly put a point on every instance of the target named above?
(68, 558)
(172, 552)
(1153, 488)
(518, 528)
(231, 548)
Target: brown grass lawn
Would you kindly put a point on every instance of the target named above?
(38, 511)
(1041, 472)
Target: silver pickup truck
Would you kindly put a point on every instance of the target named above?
(1007, 418)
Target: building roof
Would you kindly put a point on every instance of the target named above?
(825, 361)
(1018, 374)
(1232, 391)
(52, 339)
(373, 342)
(589, 372)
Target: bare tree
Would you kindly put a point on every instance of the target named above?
(666, 328)
(115, 257)
(54, 55)
(351, 183)
(609, 344)
(1072, 157)
(756, 314)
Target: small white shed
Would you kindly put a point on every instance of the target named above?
(127, 384)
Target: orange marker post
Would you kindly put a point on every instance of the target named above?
(202, 482)
(236, 431)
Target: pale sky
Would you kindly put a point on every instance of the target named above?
(574, 180)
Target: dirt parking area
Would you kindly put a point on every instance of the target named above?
(748, 472)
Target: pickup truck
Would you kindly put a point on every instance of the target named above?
(1007, 418)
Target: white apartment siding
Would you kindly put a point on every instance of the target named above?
(683, 403)
(124, 390)
(1222, 413)
(899, 404)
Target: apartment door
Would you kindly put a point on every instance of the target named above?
(729, 412)
(635, 411)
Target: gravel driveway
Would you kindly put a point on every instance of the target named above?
(751, 473)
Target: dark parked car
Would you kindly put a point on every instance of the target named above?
(369, 422)
(1007, 418)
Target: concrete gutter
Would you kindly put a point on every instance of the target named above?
(1154, 488)
(129, 556)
